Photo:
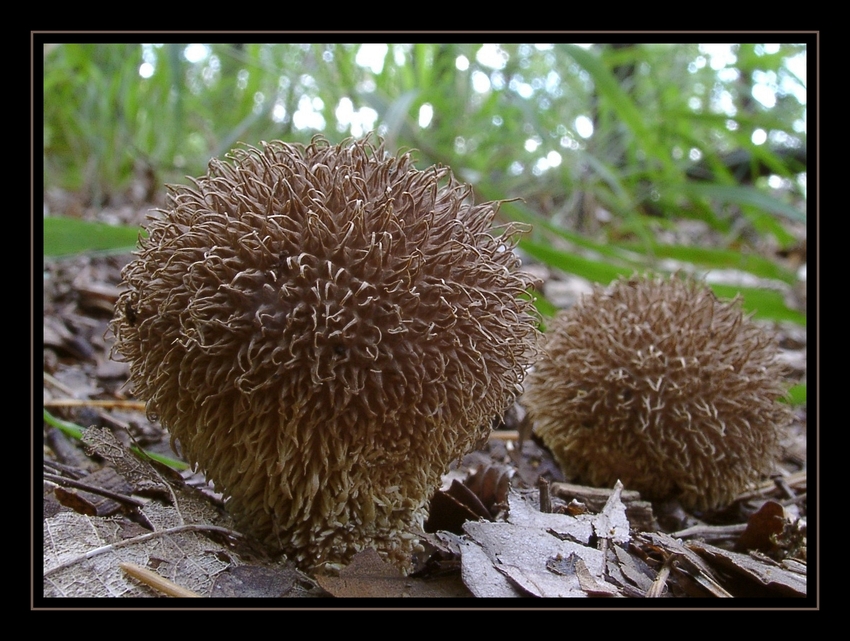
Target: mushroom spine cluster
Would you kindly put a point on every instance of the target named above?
(323, 329)
(658, 383)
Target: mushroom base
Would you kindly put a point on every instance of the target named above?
(696, 482)
(320, 500)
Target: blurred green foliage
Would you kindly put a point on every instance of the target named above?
(608, 149)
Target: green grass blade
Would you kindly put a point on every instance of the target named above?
(75, 431)
(797, 394)
(707, 257)
(593, 270)
(741, 195)
(66, 236)
(766, 304)
(160, 458)
(71, 430)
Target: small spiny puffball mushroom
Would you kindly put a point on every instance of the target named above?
(659, 384)
(324, 329)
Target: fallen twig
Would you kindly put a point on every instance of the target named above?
(157, 582)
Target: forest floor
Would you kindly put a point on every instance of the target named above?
(108, 513)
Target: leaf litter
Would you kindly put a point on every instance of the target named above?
(596, 542)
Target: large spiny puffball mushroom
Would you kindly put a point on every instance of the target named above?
(659, 384)
(324, 329)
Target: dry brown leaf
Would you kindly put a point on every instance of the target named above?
(756, 577)
(140, 474)
(526, 555)
(481, 576)
(82, 554)
(543, 584)
(107, 481)
(763, 528)
(611, 523)
(523, 554)
(690, 572)
(263, 581)
(524, 510)
(591, 584)
(490, 483)
(369, 576)
(633, 570)
(451, 508)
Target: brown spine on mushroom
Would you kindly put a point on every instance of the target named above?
(657, 383)
(324, 329)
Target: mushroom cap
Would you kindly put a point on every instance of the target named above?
(659, 384)
(324, 329)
